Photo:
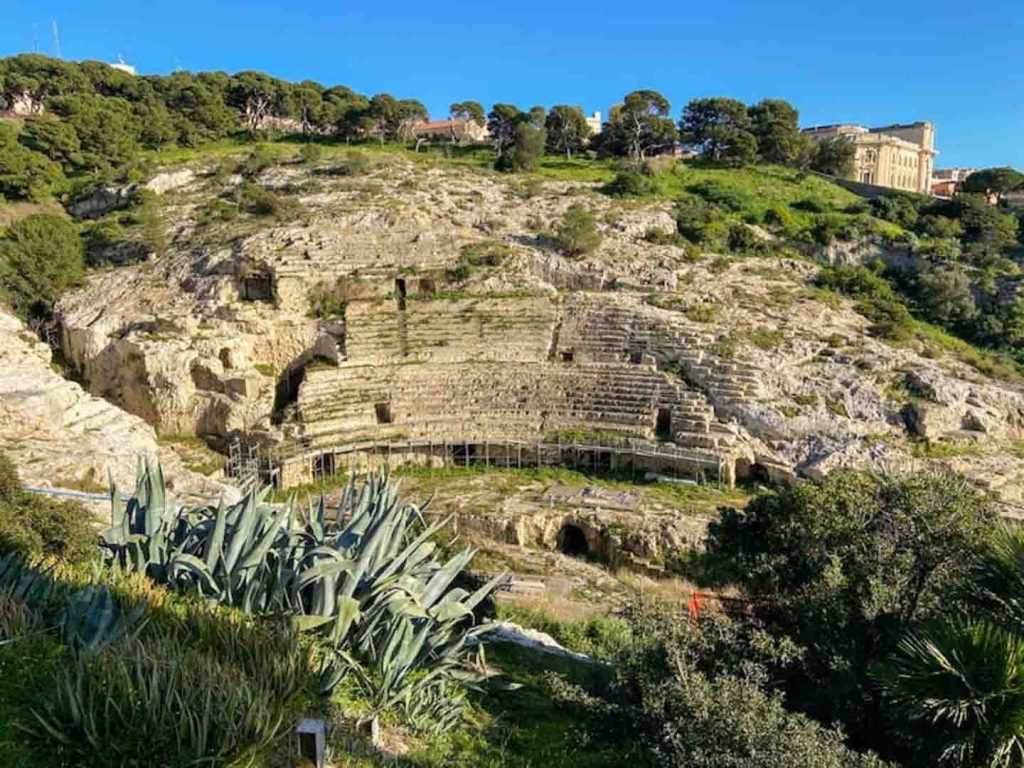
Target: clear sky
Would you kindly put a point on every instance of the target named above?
(958, 64)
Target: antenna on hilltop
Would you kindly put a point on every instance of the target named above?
(56, 38)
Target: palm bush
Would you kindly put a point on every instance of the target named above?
(956, 689)
(959, 690)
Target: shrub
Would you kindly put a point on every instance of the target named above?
(935, 226)
(811, 205)
(256, 162)
(351, 164)
(875, 298)
(701, 223)
(577, 233)
(631, 183)
(485, 253)
(41, 256)
(310, 153)
(216, 210)
(899, 209)
(742, 239)
(939, 250)
(35, 526)
(782, 219)
(717, 194)
(944, 294)
(265, 202)
(526, 150)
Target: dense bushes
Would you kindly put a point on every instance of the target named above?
(698, 695)
(35, 526)
(845, 567)
(25, 174)
(875, 298)
(41, 256)
(631, 182)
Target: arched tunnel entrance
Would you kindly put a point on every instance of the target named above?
(572, 541)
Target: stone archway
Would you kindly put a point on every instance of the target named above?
(571, 540)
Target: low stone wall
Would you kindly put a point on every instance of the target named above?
(638, 457)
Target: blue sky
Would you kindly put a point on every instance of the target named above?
(960, 65)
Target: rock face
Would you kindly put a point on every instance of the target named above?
(60, 436)
(367, 320)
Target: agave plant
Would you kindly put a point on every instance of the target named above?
(86, 618)
(363, 577)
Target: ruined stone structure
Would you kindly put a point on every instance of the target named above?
(362, 332)
(896, 156)
(484, 370)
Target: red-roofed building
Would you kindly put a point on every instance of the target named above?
(456, 130)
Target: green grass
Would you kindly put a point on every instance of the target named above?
(27, 666)
(599, 636)
(928, 449)
(195, 454)
(532, 730)
(986, 361)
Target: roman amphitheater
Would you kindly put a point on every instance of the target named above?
(420, 315)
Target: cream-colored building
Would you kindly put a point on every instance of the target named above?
(896, 156)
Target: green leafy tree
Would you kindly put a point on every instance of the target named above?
(41, 256)
(834, 156)
(988, 232)
(997, 180)
(775, 125)
(501, 122)
(944, 294)
(198, 106)
(25, 174)
(848, 565)
(393, 118)
(638, 127)
(308, 98)
(105, 127)
(577, 232)
(254, 94)
(155, 123)
(567, 130)
(528, 142)
(348, 113)
(720, 129)
(56, 139)
(468, 110)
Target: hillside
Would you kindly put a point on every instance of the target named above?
(263, 326)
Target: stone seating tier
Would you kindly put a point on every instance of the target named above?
(495, 400)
